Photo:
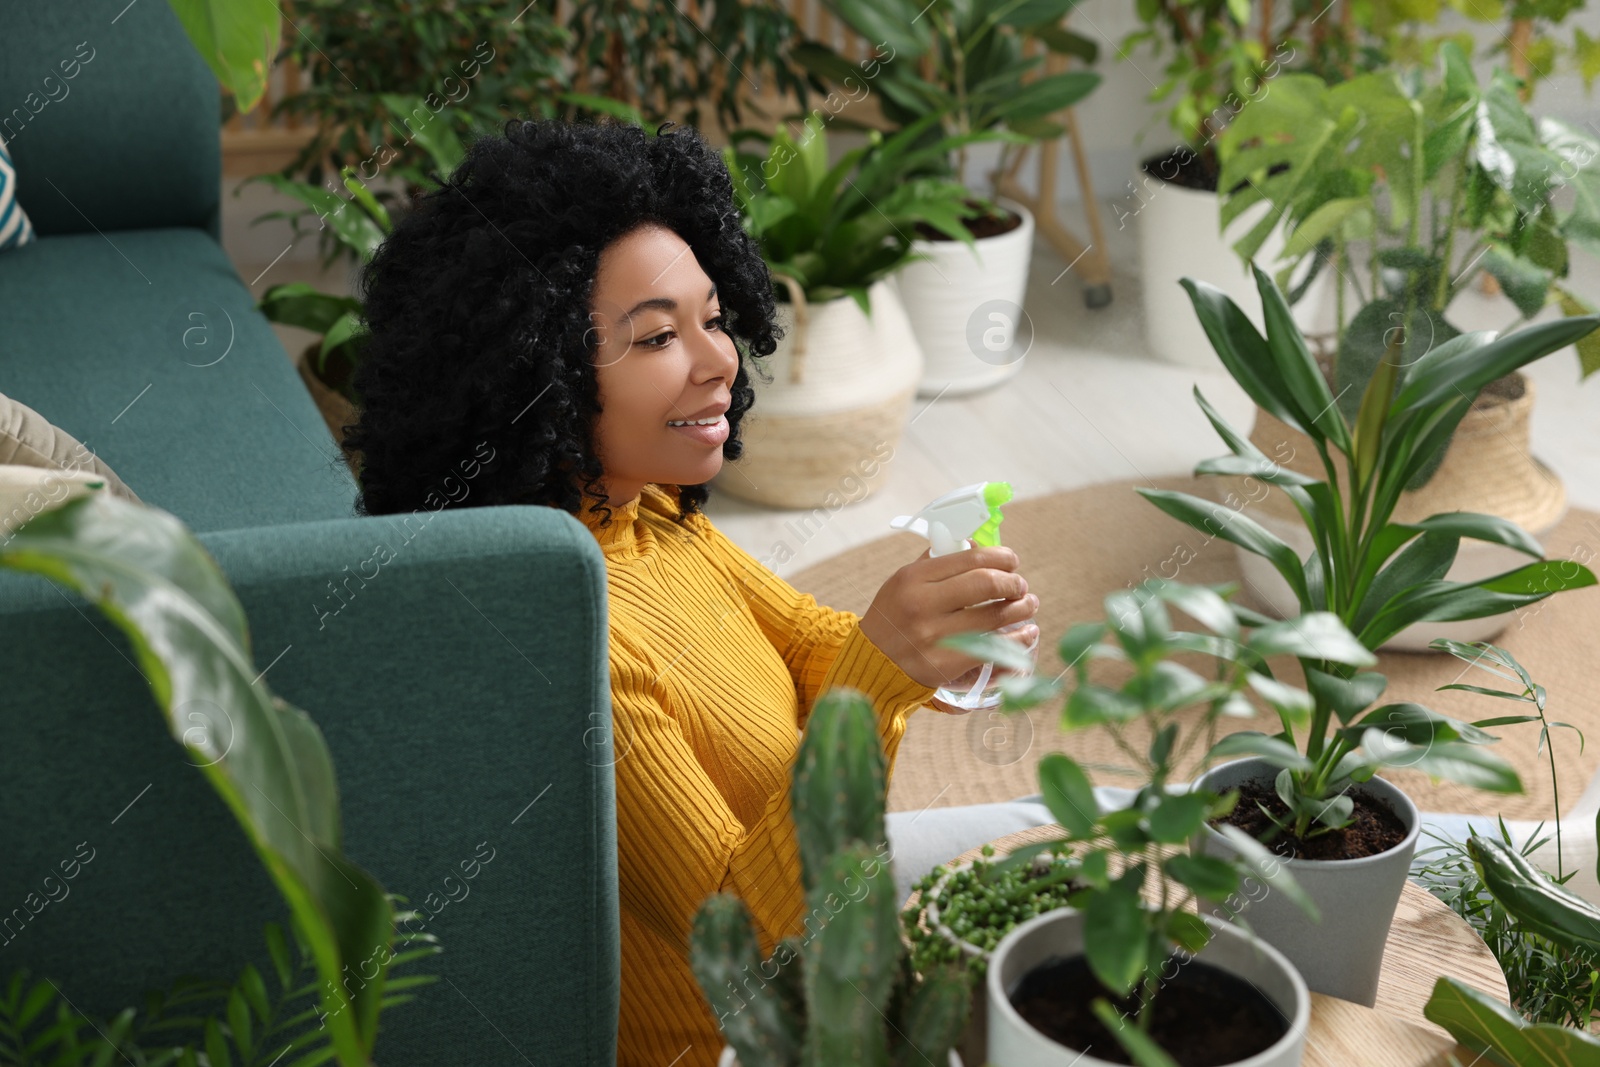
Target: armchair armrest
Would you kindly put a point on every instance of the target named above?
(456, 662)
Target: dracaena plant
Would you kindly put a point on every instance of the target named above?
(1424, 174)
(1374, 575)
(837, 230)
(1137, 874)
(975, 66)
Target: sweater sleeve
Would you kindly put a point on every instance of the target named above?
(678, 840)
(821, 646)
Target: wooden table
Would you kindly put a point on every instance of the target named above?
(1426, 940)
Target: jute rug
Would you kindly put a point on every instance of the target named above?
(1077, 546)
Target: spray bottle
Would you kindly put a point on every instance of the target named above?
(973, 511)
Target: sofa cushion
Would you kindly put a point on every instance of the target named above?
(29, 439)
(146, 346)
(112, 117)
(15, 228)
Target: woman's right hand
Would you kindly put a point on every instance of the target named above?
(930, 599)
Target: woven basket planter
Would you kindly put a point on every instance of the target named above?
(1487, 468)
(336, 410)
(840, 395)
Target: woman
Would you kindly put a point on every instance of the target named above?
(578, 296)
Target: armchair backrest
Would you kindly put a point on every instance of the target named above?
(112, 118)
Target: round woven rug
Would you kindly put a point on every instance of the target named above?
(1077, 546)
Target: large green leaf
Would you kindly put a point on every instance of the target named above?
(1447, 601)
(266, 759)
(1486, 1026)
(238, 39)
(1296, 365)
(1533, 899)
(1218, 520)
(350, 223)
(891, 24)
(1244, 352)
(1454, 369)
(298, 304)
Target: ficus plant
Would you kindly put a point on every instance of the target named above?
(1375, 575)
(1136, 872)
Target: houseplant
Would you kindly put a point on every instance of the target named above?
(960, 914)
(1359, 166)
(148, 574)
(1221, 61)
(1376, 576)
(972, 55)
(1545, 935)
(846, 369)
(844, 992)
(1128, 942)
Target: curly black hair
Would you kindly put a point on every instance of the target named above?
(477, 311)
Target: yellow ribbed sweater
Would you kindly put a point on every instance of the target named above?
(715, 665)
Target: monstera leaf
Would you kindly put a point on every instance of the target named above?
(267, 760)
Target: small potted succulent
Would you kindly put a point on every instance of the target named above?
(847, 367)
(844, 992)
(1128, 964)
(964, 63)
(959, 914)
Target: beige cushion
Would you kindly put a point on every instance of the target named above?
(29, 439)
(27, 491)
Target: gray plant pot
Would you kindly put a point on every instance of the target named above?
(1341, 955)
(1013, 1042)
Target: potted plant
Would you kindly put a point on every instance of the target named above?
(958, 915)
(1220, 61)
(1127, 963)
(354, 225)
(844, 992)
(1375, 575)
(965, 304)
(847, 367)
(1358, 165)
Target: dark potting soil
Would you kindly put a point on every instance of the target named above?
(1192, 168)
(1202, 1016)
(980, 224)
(1186, 167)
(1375, 829)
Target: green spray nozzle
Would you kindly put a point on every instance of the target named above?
(994, 494)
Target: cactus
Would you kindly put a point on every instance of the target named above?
(839, 782)
(844, 992)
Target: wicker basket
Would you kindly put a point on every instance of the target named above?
(841, 392)
(336, 410)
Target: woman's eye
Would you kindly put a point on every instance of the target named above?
(660, 340)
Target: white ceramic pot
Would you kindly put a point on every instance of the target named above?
(821, 431)
(1178, 237)
(965, 307)
(730, 1058)
(1013, 1042)
(1342, 955)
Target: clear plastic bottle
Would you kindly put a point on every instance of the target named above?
(985, 690)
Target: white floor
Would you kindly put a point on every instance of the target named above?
(1090, 404)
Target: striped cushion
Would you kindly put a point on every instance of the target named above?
(15, 229)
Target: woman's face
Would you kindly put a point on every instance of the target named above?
(661, 358)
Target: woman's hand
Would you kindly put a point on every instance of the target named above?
(929, 599)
